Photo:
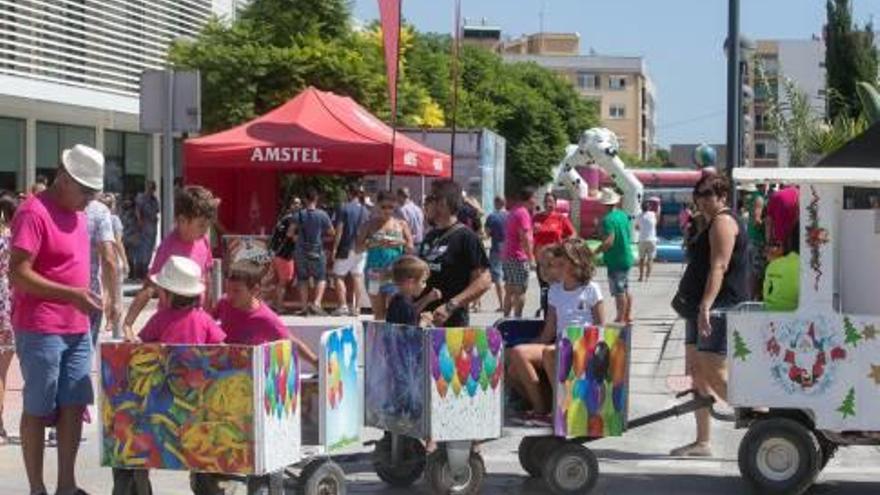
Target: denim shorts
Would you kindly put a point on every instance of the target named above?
(56, 371)
(379, 282)
(310, 266)
(716, 342)
(618, 282)
(496, 268)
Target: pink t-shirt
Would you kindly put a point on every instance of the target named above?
(58, 241)
(518, 220)
(182, 326)
(253, 327)
(198, 251)
(783, 210)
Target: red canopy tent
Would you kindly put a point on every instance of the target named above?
(315, 133)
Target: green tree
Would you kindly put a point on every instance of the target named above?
(850, 56)
(848, 406)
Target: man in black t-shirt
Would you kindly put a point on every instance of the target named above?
(454, 253)
(281, 245)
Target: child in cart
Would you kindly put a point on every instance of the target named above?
(574, 299)
(410, 274)
(246, 319)
(180, 320)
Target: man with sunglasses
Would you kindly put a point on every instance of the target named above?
(455, 255)
(49, 271)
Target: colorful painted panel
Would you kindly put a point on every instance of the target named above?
(827, 364)
(591, 383)
(279, 425)
(395, 390)
(178, 407)
(467, 380)
(341, 415)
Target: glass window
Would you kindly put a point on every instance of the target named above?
(587, 80)
(114, 164)
(617, 83)
(12, 133)
(617, 111)
(52, 139)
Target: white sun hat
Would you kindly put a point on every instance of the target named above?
(85, 165)
(608, 196)
(180, 275)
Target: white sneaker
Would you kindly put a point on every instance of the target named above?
(341, 311)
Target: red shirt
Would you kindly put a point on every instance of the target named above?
(551, 228)
(253, 327)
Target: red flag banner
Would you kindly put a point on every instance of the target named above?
(389, 14)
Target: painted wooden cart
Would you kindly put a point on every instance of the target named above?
(590, 401)
(439, 384)
(226, 412)
(808, 381)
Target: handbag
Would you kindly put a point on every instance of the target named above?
(684, 307)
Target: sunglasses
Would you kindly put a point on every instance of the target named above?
(387, 207)
(708, 193)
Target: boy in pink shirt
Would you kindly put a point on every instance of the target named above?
(194, 210)
(245, 318)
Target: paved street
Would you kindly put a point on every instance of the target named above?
(633, 464)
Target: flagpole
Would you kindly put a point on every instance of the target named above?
(394, 111)
(456, 52)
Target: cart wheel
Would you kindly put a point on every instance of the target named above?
(572, 469)
(205, 484)
(779, 456)
(323, 477)
(533, 451)
(131, 482)
(410, 467)
(444, 482)
(270, 484)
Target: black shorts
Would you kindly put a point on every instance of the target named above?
(716, 342)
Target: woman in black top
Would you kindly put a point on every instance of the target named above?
(716, 278)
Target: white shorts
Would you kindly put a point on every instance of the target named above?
(647, 249)
(354, 264)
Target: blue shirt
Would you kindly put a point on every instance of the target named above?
(312, 225)
(414, 218)
(495, 226)
(351, 215)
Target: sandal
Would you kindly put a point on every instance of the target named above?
(695, 449)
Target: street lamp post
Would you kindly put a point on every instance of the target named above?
(734, 92)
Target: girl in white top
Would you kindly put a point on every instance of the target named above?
(574, 300)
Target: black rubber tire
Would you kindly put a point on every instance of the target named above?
(405, 473)
(440, 478)
(533, 451)
(571, 469)
(789, 434)
(204, 484)
(269, 484)
(323, 477)
(131, 482)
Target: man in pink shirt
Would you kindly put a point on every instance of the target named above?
(518, 253)
(49, 271)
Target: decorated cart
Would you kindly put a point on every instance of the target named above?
(439, 384)
(590, 401)
(228, 412)
(808, 381)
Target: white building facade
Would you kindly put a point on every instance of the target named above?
(69, 73)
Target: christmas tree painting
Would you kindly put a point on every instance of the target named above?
(848, 408)
(740, 349)
(853, 336)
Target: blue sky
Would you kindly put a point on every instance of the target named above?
(680, 39)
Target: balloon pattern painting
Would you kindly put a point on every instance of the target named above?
(178, 407)
(342, 416)
(591, 383)
(281, 384)
(465, 360)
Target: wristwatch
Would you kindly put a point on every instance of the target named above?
(451, 307)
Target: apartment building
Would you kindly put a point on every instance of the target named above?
(621, 85)
(774, 62)
(69, 73)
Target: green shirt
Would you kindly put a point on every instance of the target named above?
(619, 256)
(782, 283)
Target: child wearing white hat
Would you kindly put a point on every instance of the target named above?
(181, 319)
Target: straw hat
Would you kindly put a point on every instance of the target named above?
(180, 275)
(85, 165)
(609, 197)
